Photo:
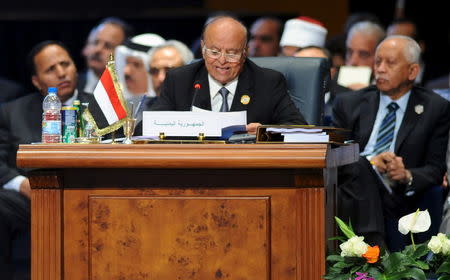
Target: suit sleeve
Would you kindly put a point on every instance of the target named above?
(338, 113)
(7, 161)
(166, 100)
(434, 167)
(285, 111)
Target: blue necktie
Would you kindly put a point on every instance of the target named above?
(386, 130)
(224, 92)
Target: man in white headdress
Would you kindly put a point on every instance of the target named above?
(133, 69)
(302, 32)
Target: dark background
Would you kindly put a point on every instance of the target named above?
(24, 23)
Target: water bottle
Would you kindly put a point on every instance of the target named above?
(51, 117)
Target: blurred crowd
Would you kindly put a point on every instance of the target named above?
(362, 60)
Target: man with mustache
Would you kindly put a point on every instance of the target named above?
(101, 43)
(50, 65)
(402, 131)
(132, 68)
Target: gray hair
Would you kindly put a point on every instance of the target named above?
(367, 28)
(412, 49)
(186, 55)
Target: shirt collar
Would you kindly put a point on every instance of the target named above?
(402, 102)
(215, 86)
(69, 102)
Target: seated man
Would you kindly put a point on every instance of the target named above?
(20, 123)
(10, 90)
(402, 131)
(132, 68)
(229, 82)
(171, 54)
(265, 34)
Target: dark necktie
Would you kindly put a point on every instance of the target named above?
(224, 92)
(386, 130)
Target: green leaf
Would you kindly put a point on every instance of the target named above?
(421, 250)
(444, 277)
(413, 273)
(335, 258)
(393, 262)
(444, 268)
(339, 238)
(346, 230)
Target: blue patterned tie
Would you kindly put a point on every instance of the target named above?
(386, 130)
(224, 92)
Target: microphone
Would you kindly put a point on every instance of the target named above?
(197, 87)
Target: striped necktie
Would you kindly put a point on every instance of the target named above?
(386, 130)
(224, 92)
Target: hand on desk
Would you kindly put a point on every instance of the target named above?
(393, 166)
(252, 128)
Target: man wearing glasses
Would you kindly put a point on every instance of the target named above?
(225, 81)
(171, 54)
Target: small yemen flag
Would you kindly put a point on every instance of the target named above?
(107, 97)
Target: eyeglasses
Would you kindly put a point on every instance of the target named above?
(155, 71)
(230, 57)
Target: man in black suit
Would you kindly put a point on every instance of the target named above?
(402, 145)
(225, 81)
(10, 90)
(20, 123)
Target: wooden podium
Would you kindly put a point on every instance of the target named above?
(186, 211)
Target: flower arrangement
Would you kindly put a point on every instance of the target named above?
(360, 261)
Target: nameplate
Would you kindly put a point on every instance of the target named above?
(177, 123)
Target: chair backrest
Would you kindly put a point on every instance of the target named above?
(307, 81)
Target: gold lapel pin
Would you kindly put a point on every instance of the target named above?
(418, 109)
(245, 99)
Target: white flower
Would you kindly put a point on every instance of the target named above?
(439, 244)
(418, 221)
(446, 247)
(354, 247)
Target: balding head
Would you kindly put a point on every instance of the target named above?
(224, 48)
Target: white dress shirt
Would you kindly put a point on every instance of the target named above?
(385, 100)
(216, 98)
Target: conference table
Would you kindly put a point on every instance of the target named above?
(182, 211)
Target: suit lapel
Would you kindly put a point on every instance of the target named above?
(203, 97)
(35, 118)
(410, 119)
(244, 88)
(369, 109)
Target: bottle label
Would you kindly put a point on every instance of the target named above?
(51, 127)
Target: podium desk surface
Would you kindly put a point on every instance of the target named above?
(223, 156)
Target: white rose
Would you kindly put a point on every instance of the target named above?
(435, 245)
(354, 247)
(446, 246)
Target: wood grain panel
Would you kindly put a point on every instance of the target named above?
(281, 224)
(311, 233)
(173, 156)
(46, 215)
(179, 237)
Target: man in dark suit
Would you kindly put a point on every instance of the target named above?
(225, 81)
(10, 90)
(402, 131)
(20, 123)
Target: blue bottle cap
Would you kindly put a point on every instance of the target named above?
(52, 90)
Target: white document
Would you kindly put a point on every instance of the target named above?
(187, 123)
(349, 75)
(227, 118)
(306, 137)
(293, 130)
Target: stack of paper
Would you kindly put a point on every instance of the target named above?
(302, 135)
